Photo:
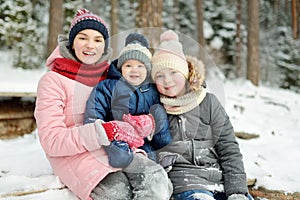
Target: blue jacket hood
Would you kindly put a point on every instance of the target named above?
(113, 72)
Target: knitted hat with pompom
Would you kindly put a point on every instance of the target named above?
(136, 48)
(84, 19)
(169, 54)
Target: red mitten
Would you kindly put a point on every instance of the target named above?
(123, 131)
(144, 124)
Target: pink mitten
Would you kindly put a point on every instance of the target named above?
(123, 131)
(143, 124)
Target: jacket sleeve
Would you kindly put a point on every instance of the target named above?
(98, 104)
(58, 139)
(227, 148)
(162, 135)
(123, 100)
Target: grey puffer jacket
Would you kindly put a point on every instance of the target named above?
(204, 153)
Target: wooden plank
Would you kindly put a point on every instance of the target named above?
(23, 193)
(16, 115)
(18, 94)
(15, 108)
(16, 127)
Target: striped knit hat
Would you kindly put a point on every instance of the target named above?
(84, 19)
(169, 54)
(136, 48)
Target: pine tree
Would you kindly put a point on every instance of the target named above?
(19, 33)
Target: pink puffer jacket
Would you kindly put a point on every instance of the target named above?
(71, 147)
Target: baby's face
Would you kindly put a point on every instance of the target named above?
(134, 71)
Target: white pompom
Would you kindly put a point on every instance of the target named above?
(168, 35)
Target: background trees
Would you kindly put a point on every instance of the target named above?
(258, 41)
(19, 31)
(55, 26)
(253, 68)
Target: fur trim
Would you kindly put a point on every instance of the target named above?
(196, 72)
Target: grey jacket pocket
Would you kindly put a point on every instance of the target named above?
(167, 159)
(204, 154)
(215, 175)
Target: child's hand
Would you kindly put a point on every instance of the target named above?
(143, 124)
(160, 116)
(119, 154)
(123, 131)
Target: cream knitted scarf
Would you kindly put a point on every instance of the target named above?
(185, 103)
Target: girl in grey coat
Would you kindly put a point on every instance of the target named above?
(204, 160)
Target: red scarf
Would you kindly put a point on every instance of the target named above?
(89, 75)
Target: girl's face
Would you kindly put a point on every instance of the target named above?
(134, 72)
(89, 46)
(170, 82)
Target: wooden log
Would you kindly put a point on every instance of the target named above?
(16, 127)
(17, 94)
(23, 193)
(263, 193)
(16, 115)
(16, 118)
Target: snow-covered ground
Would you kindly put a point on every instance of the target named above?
(272, 158)
(16, 79)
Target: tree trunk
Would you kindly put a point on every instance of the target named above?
(253, 68)
(298, 8)
(238, 39)
(149, 14)
(114, 25)
(199, 9)
(294, 19)
(55, 27)
(277, 7)
(287, 8)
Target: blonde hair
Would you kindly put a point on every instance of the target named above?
(196, 74)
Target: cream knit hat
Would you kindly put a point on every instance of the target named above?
(169, 54)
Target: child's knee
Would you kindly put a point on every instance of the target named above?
(114, 186)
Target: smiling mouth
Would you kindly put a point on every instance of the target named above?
(169, 88)
(88, 53)
(134, 76)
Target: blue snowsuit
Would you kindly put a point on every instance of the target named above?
(113, 97)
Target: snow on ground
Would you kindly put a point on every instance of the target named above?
(272, 158)
(273, 114)
(17, 79)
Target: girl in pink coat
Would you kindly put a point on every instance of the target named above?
(75, 151)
